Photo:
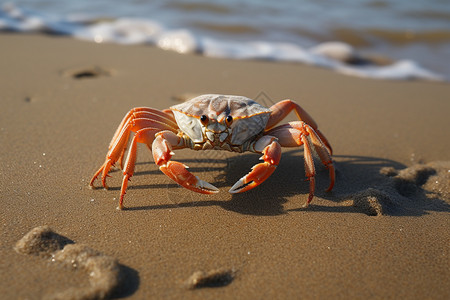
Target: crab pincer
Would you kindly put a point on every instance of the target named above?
(262, 171)
(178, 172)
(162, 153)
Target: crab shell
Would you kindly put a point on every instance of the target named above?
(249, 118)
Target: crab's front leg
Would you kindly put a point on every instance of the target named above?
(271, 150)
(162, 153)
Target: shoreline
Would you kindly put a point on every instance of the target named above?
(390, 142)
(335, 53)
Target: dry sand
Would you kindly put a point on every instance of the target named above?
(382, 233)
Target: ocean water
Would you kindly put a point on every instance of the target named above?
(386, 39)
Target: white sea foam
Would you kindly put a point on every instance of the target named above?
(122, 31)
(181, 41)
(132, 31)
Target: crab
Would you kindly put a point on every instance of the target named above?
(217, 122)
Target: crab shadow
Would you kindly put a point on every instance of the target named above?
(354, 174)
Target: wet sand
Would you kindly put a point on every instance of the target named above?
(382, 233)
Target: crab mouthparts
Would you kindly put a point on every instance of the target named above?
(213, 136)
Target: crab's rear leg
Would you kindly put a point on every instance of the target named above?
(116, 150)
(162, 147)
(281, 109)
(295, 134)
(271, 150)
(166, 117)
(145, 136)
(119, 143)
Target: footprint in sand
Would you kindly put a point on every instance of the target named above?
(429, 182)
(29, 99)
(87, 72)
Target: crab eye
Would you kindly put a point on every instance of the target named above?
(229, 120)
(204, 120)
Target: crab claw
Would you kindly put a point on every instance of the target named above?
(259, 173)
(178, 173)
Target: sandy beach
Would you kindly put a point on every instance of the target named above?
(382, 233)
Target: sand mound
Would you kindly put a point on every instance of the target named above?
(213, 278)
(103, 270)
(41, 241)
(372, 202)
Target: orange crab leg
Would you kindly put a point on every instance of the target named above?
(281, 109)
(310, 170)
(299, 133)
(145, 136)
(150, 113)
(119, 143)
(162, 153)
(113, 154)
(163, 117)
(144, 119)
(260, 172)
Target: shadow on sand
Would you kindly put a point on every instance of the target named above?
(360, 181)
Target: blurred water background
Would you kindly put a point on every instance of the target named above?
(390, 39)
